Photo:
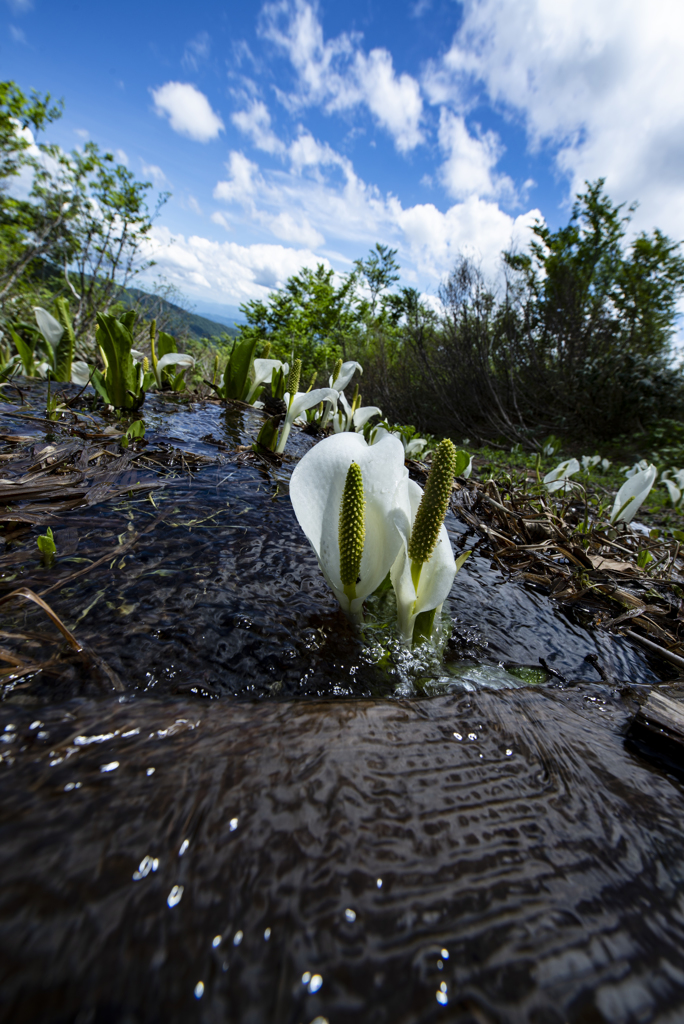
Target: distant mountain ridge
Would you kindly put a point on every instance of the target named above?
(175, 320)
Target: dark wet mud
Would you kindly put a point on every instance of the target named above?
(274, 819)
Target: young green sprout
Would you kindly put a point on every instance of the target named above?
(352, 530)
(47, 548)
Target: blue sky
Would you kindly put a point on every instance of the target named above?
(291, 132)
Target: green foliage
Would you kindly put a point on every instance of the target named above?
(310, 318)
(121, 384)
(47, 547)
(79, 232)
(236, 380)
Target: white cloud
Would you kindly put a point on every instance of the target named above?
(188, 110)
(476, 228)
(196, 51)
(194, 205)
(321, 197)
(121, 156)
(20, 6)
(220, 218)
(469, 167)
(153, 172)
(340, 76)
(225, 271)
(82, 133)
(296, 229)
(241, 185)
(18, 34)
(255, 121)
(602, 82)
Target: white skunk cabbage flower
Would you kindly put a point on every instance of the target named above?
(590, 460)
(49, 327)
(674, 491)
(345, 419)
(436, 577)
(424, 570)
(80, 373)
(346, 373)
(296, 404)
(180, 359)
(338, 382)
(605, 464)
(632, 494)
(318, 485)
(414, 446)
(262, 373)
(559, 476)
(638, 467)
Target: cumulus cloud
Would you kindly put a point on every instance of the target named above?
(121, 156)
(226, 271)
(321, 197)
(338, 75)
(188, 110)
(600, 82)
(469, 166)
(255, 121)
(242, 182)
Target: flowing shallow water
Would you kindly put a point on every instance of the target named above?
(495, 853)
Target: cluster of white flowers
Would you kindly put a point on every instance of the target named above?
(391, 501)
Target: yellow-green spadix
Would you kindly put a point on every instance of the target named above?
(317, 490)
(424, 570)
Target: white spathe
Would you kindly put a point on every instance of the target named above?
(297, 404)
(180, 359)
(50, 328)
(632, 494)
(262, 374)
(80, 373)
(558, 477)
(345, 375)
(436, 577)
(344, 419)
(316, 491)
